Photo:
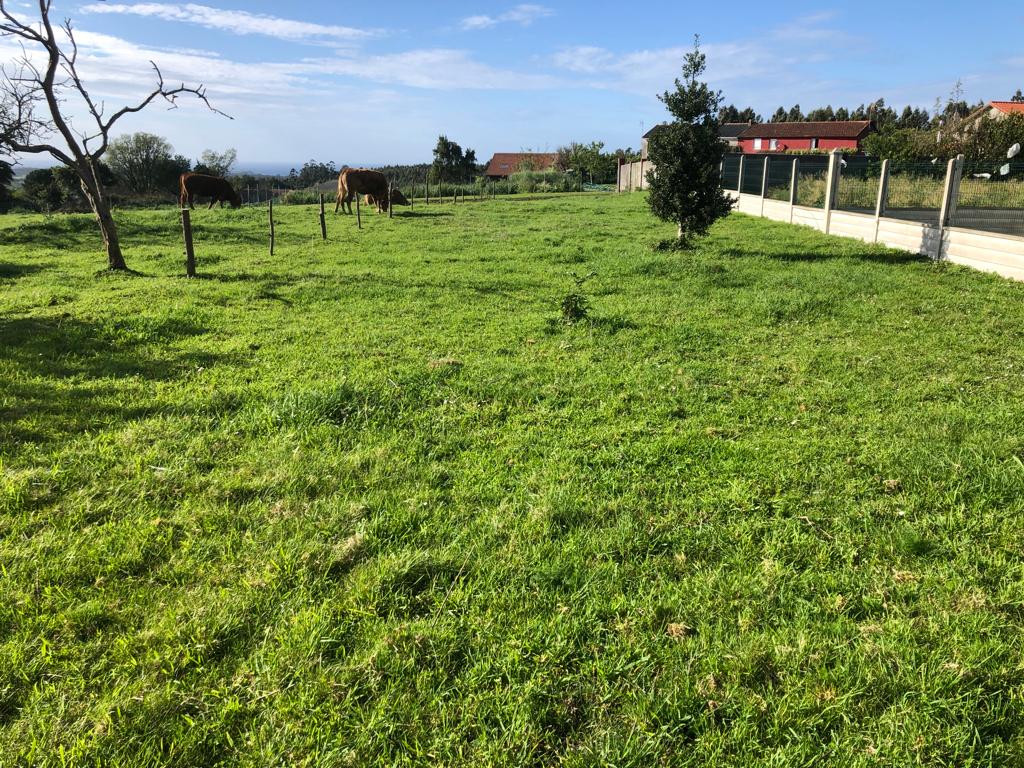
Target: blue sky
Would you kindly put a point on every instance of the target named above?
(371, 83)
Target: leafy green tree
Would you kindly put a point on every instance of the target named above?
(41, 189)
(988, 142)
(687, 154)
(216, 163)
(1018, 97)
(146, 164)
(590, 160)
(59, 188)
(795, 115)
(729, 114)
(748, 115)
(900, 144)
(842, 113)
(6, 183)
(451, 163)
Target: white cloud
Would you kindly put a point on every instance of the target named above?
(236, 22)
(782, 64)
(432, 68)
(523, 15)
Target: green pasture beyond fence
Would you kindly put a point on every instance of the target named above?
(986, 196)
(523, 182)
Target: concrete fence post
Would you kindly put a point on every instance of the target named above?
(950, 195)
(764, 183)
(641, 173)
(739, 178)
(794, 180)
(883, 196)
(832, 185)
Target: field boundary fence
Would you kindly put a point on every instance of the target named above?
(970, 214)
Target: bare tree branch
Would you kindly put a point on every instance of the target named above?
(33, 108)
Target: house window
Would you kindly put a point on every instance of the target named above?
(757, 143)
(814, 143)
(773, 144)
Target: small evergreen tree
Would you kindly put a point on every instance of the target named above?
(1018, 97)
(686, 154)
(780, 116)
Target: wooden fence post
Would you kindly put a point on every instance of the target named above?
(883, 196)
(323, 218)
(764, 183)
(190, 254)
(426, 190)
(359, 217)
(391, 201)
(271, 214)
(794, 181)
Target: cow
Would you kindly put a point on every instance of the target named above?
(396, 197)
(372, 184)
(213, 187)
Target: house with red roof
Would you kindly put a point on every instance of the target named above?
(789, 137)
(994, 110)
(504, 164)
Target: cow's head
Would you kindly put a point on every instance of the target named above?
(398, 198)
(236, 199)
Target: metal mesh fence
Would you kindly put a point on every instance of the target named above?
(991, 198)
(780, 175)
(753, 175)
(915, 191)
(859, 177)
(731, 171)
(812, 179)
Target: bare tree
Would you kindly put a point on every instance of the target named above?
(35, 114)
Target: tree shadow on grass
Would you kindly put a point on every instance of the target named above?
(64, 374)
(422, 214)
(14, 271)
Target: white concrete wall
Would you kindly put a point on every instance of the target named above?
(1003, 254)
(855, 225)
(808, 217)
(633, 176)
(776, 209)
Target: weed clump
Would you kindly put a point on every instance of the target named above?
(575, 305)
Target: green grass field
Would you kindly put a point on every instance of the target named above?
(372, 502)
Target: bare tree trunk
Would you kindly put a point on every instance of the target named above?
(93, 190)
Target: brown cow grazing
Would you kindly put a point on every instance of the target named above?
(382, 206)
(213, 187)
(373, 184)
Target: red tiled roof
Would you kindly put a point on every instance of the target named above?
(1007, 106)
(833, 129)
(507, 163)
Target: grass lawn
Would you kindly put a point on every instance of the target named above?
(371, 502)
